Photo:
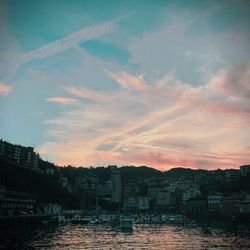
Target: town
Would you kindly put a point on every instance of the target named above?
(31, 186)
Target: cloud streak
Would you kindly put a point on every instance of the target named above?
(62, 100)
(86, 93)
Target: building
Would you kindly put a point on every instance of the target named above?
(245, 170)
(86, 186)
(50, 171)
(163, 199)
(12, 202)
(143, 203)
(104, 190)
(20, 155)
(64, 181)
(51, 208)
(130, 188)
(86, 183)
(107, 188)
(244, 207)
(116, 185)
(190, 193)
(130, 203)
(232, 175)
(197, 206)
(230, 204)
(214, 201)
(182, 185)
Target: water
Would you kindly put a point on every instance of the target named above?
(142, 237)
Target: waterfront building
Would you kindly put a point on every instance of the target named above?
(51, 208)
(197, 206)
(13, 202)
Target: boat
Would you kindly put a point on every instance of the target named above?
(136, 219)
(94, 221)
(126, 223)
(146, 219)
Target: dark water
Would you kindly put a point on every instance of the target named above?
(142, 237)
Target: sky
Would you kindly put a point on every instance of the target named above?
(158, 83)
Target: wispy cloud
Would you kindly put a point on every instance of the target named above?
(86, 93)
(236, 82)
(127, 80)
(171, 124)
(5, 89)
(62, 100)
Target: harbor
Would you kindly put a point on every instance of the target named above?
(65, 236)
(78, 217)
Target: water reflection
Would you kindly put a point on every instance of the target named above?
(142, 237)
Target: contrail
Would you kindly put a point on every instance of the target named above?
(74, 39)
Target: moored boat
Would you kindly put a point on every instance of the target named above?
(126, 223)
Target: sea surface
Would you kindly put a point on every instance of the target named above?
(141, 237)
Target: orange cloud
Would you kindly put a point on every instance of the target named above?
(62, 100)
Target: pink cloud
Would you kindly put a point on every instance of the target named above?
(234, 82)
(62, 100)
(86, 93)
(5, 89)
(171, 124)
(128, 80)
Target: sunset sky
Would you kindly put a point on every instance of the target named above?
(157, 83)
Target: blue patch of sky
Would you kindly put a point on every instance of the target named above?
(225, 16)
(234, 15)
(107, 51)
(25, 109)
